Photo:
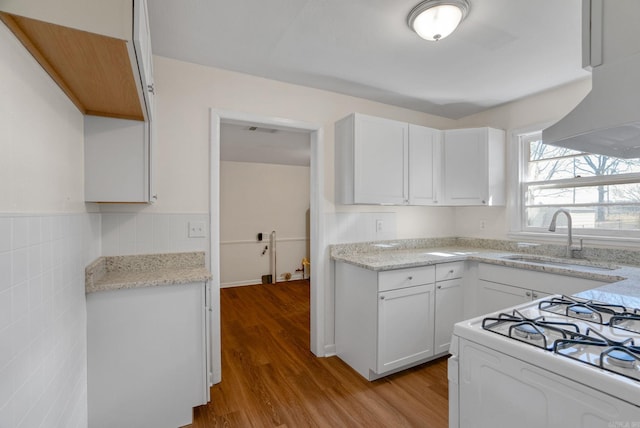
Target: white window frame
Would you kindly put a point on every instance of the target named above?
(515, 204)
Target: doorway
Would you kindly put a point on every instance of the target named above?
(264, 197)
(317, 248)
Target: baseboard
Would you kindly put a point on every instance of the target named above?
(330, 350)
(294, 276)
(240, 283)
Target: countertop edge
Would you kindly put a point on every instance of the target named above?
(145, 270)
(622, 284)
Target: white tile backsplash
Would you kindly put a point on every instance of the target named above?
(5, 309)
(125, 233)
(20, 232)
(34, 231)
(5, 271)
(43, 308)
(19, 266)
(43, 371)
(5, 234)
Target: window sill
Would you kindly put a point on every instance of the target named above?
(560, 238)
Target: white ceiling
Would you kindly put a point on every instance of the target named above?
(504, 50)
(261, 144)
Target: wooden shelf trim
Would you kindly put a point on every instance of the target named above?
(94, 71)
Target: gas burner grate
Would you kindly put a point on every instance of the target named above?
(534, 331)
(587, 310)
(627, 321)
(617, 358)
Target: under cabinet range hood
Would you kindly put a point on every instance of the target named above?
(607, 121)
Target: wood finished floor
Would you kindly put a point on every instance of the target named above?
(271, 379)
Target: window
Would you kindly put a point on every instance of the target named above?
(602, 193)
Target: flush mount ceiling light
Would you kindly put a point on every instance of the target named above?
(436, 19)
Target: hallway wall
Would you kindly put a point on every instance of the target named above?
(258, 197)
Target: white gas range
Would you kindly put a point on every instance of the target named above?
(556, 362)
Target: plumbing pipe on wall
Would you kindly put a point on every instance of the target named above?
(272, 254)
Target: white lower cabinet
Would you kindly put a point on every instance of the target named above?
(146, 356)
(405, 326)
(493, 296)
(500, 287)
(449, 303)
(449, 310)
(391, 320)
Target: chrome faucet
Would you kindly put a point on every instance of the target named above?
(552, 228)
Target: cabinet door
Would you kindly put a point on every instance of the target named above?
(142, 46)
(493, 297)
(117, 163)
(424, 165)
(405, 326)
(146, 356)
(465, 166)
(448, 311)
(542, 283)
(380, 165)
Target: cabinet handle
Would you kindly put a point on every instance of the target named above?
(451, 271)
(528, 294)
(151, 89)
(483, 201)
(535, 295)
(381, 297)
(410, 278)
(439, 287)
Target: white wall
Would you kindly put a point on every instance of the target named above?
(187, 91)
(257, 197)
(43, 368)
(41, 137)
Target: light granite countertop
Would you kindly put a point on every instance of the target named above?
(148, 270)
(618, 268)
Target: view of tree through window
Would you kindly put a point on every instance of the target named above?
(601, 192)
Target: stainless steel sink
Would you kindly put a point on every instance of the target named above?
(560, 262)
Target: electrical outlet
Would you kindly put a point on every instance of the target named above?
(379, 226)
(483, 224)
(197, 229)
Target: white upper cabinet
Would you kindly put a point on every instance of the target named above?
(144, 56)
(371, 160)
(474, 167)
(383, 161)
(99, 53)
(117, 160)
(424, 165)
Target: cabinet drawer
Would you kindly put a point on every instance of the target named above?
(402, 278)
(451, 270)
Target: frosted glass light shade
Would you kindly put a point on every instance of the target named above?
(434, 20)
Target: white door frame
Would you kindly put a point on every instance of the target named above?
(316, 198)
